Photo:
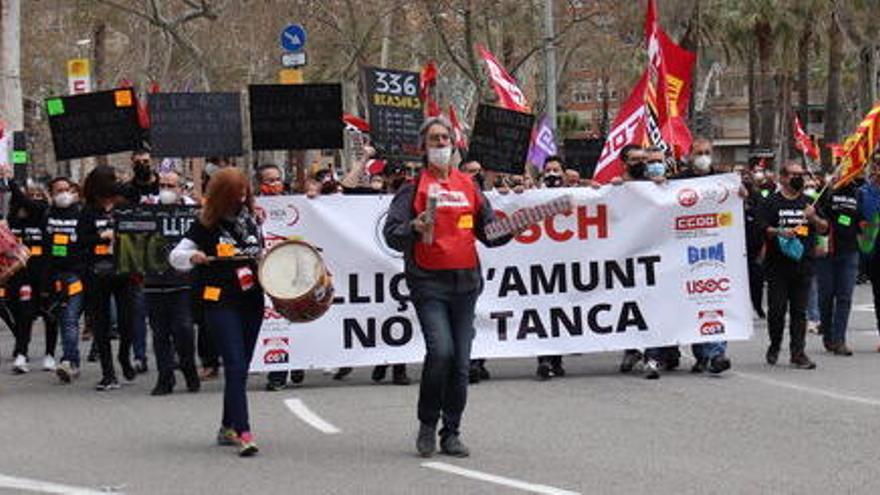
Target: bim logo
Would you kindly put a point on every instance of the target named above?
(706, 255)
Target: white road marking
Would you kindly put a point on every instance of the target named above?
(45, 487)
(302, 411)
(864, 308)
(810, 390)
(498, 480)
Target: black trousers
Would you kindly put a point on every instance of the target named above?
(756, 285)
(172, 326)
(206, 342)
(25, 303)
(874, 274)
(788, 286)
(100, 289)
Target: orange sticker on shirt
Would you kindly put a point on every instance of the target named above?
(74, 288)
(36, 250)
(211, 294)
(102, 250)
(802, 230)
(466, 221)
(123, 97)
(225, 250)
(60, 239)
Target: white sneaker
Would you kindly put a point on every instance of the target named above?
(48, 363)
(20, 366)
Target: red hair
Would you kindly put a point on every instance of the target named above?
(225, 190)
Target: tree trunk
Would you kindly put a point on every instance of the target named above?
(832, 102)
(99, 42)
(767, 108)
(753, 98)
(803, 83)
(785, 117)
(11, 103)
(867, 78)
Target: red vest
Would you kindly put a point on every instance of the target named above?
(458, 203)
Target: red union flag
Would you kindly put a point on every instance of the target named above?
(509, 94)
(803, 142)
(654, 112)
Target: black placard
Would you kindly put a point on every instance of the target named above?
(94, 124)
(296, 116)
(582, 154)
(500, 140)
(145, 235)
(395, 112)
(194, 125)
(20, 157)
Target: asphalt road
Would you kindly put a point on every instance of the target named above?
(757, 429)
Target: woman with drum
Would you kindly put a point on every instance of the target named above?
(223, 246)
(435, 222)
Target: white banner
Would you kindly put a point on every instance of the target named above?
(635, 266)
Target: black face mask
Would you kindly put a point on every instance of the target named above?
(553, 180)
(329, 187)
(637, 170)
(142, 171)
(481, 181)
(796, 183)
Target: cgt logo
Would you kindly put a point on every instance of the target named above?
(711, 322)
(708, 286)
(276, 350)
(703, 221)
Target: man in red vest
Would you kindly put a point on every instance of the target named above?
(436, 222)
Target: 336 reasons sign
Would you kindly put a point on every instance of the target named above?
(623, 270)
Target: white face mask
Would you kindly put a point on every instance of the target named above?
(440, 156)
(167, 196)
(703, 163)
(63, 200)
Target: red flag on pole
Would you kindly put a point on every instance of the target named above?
(460, 138)
(802, 141)
(509, 94)
(427, 85)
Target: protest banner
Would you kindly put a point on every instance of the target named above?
(296, 116)
(145, 235)
(633, 266)
(94, 124)
(395, 112)
(186, 125)
(501, 138)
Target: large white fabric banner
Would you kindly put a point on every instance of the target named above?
(634, 266)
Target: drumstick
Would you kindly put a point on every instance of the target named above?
(240, 257)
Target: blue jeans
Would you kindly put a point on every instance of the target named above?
(172, 330)
(708, 350)
(236, 327)
(447, 323)
(837, 279)
(67, 313)
(813, 300)
(138, 317)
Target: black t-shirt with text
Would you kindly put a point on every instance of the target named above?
(841, 208)
(782, 213)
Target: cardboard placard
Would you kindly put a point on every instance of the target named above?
(188, 125)
(582, 154)
(145, 235)
(94, 124)
(296, 116)
(395, 112)
(500, 140)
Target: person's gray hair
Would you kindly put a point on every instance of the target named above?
(438, 120)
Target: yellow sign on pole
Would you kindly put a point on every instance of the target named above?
(78, 67)
(290, 76)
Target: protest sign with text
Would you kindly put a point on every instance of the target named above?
(633, 266)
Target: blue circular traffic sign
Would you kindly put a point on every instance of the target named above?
(293, 38)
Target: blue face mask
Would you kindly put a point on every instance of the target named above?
(655, 169)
